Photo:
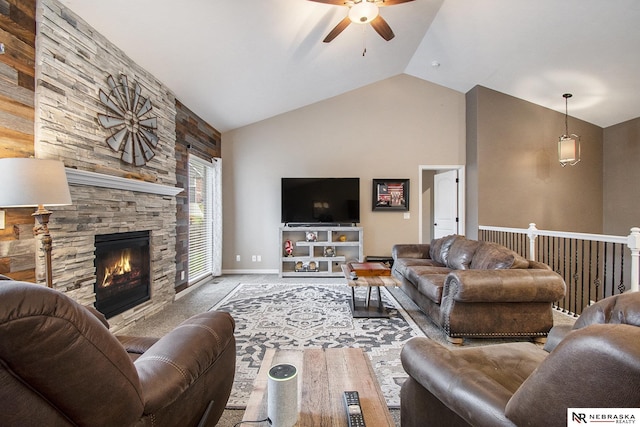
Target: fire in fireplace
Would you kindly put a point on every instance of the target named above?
(122, 271)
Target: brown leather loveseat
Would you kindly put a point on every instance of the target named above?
(595, 365)
(478, 289)
(61, 366)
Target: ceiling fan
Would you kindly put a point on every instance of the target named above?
(362, 12)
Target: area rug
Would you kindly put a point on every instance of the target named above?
(286, 316)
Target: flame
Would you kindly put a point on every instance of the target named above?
(120, 267)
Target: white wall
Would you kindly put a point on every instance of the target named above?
(384, 130)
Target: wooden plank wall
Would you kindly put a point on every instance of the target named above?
(17, 89)
(17, 97)
(193, 136)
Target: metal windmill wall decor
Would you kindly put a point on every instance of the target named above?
(129, 120)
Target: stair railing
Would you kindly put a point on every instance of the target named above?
(594, 266)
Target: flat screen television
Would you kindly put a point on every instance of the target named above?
(320, 200)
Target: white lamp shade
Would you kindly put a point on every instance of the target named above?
(363, 12)
(569, 150)
(28, 182)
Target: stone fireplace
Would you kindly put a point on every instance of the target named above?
(105, 207)
(109, 196)
(122, 271)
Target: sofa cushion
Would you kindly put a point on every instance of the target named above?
(492, 256)
(414, 272)
(430, 285)
(439, 249)
(429, 281)
(461, 254)
(401, 265)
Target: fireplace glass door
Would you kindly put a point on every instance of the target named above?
(122, 271)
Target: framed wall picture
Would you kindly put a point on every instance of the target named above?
(390, 195)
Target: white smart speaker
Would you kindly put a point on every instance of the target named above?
(282, 395)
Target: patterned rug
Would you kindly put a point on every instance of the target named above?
(313, 315)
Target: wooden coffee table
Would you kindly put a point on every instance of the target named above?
(362, 308)
(324, 374)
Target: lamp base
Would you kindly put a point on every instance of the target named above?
(42, 216)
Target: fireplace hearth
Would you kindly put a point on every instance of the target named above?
(122, 271)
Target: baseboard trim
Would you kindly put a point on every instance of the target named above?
(250, 271)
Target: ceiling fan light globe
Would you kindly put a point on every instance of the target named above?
(363, 12)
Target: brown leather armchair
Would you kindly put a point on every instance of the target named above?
(596, 365)
(61, 366)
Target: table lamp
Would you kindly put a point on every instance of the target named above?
(28, 182)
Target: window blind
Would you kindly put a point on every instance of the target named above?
(200, 218)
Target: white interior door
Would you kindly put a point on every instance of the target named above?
(445, 204)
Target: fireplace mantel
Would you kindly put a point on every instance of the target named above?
(94, 179)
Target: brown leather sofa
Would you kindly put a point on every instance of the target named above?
(478, 289)
(595, 365)
(61, 366)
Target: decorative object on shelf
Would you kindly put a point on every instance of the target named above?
(288, 247)
(310, 266)
(568, 144)
(324, 255)
(35, 182)
(390, 195)
(128, 118)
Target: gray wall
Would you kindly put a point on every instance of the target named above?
(471, 191)
(427, 205)
(384, 130)
(388, 129)
(622, 175)
(514, 177)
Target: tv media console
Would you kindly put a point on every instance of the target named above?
(319, 251)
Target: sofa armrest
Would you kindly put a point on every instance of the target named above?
(602, 364)
(509, 285)
(179, 358)
(468, 380)
(411, 251)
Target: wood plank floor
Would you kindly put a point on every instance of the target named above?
(324, 375)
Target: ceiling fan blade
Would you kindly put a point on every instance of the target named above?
(389, 2)
(382, 28)
(337, 30)
(336, 2)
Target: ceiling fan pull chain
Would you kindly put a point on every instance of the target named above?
(364, 40)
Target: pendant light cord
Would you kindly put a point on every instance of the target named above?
(566, 113)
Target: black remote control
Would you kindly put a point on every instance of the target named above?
(354, 411)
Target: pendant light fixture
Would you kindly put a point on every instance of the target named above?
(568, 144)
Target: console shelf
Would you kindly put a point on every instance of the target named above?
(311, 258)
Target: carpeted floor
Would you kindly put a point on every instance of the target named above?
(208, 295)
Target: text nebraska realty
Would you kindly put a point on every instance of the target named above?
(612, 418)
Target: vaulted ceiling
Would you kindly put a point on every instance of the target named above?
(236, 62)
